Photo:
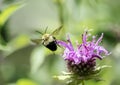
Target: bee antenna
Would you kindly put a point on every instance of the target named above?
(46, 29)
(39, 32)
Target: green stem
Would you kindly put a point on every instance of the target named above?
(60, 11)
(83, 82)
(60, 6)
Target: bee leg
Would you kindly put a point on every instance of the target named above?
(59, 46)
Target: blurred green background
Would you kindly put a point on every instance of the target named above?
(23, 63)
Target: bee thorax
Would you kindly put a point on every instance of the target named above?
(47, 38)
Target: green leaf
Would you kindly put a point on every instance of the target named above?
(37, 59)
(62, 77)
(25, 82)
(17, 43)
(104, 66)
(9, 11)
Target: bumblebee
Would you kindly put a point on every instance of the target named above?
(48, 40)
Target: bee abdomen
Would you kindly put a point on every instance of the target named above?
(52, 46)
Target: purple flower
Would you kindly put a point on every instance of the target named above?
(82, 60)
(85, 51)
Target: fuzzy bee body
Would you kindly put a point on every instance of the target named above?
(52, 46)
(48, 40)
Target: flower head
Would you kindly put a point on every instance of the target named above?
(82, 60)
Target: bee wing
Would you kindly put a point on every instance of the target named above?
(56, 31)
(36, 41)
(39, 32)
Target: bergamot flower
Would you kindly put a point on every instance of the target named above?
(81, 61)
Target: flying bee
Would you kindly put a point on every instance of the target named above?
(48, 40)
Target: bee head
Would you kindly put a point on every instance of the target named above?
(45, 37)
